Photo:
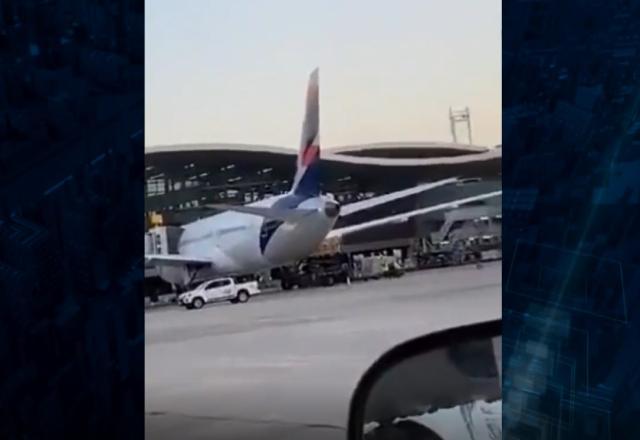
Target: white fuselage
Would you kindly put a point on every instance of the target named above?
(239, 243)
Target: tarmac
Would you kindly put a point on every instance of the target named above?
(284, 365)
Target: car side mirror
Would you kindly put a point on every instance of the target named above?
(444, 386)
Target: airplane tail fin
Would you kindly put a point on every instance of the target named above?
(307, 179)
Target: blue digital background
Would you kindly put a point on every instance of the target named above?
(571, 176)
(71, 216)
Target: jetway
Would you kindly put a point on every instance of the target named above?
(469, 221)
(162, 240)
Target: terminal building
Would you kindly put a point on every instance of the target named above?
(181, 180)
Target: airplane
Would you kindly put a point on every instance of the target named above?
(282, 229)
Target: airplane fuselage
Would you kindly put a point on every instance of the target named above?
(239, 243)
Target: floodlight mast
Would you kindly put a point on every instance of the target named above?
(460, 116)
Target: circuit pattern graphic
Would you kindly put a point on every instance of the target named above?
(571, 168)
(71, 216)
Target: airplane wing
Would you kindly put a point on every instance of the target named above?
(175, 260)
(286, 215)
(405, 216)
(386, 198)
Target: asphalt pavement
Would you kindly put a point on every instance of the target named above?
(283, 366)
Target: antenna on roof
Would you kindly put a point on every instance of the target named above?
(456, 116)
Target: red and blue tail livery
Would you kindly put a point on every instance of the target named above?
(307, 178)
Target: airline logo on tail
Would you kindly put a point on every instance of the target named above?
(306, 183)
(311, 154)
(307, 179)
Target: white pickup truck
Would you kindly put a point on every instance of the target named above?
(220, 289)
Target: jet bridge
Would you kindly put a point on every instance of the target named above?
(162, 240)
(469, 221)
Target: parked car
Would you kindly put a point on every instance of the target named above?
(217, 290)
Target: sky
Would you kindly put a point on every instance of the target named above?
(236, 70)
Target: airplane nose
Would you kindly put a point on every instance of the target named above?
(332, 209)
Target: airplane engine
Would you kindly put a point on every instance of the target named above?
(332, 209)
